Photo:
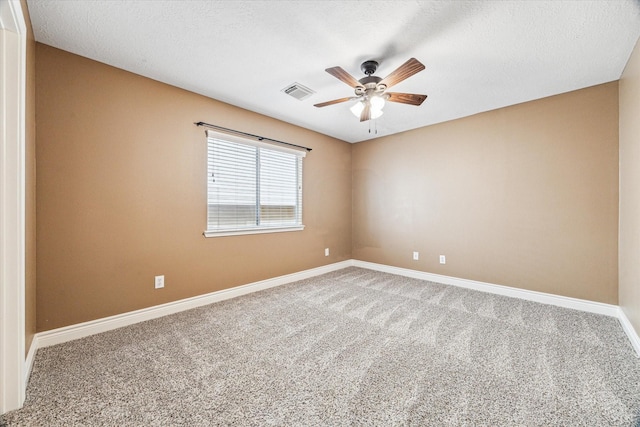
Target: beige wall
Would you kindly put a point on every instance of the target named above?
(30, 185)
(121, 195)
(630, 189)
(524, 196)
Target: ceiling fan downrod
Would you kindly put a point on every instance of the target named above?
(369, 67)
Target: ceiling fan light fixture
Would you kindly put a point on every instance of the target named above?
(357, 108)
(376, 107)
(377, 102)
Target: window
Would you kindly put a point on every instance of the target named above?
(252, 187)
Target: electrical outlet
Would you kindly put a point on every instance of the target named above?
(326, 251)
(443, 260)
(416, 256)
(159, 282)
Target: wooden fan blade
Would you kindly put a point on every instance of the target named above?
(335, 101)
(343, 76)
(406, 98)
(366, 112)
(406, 70)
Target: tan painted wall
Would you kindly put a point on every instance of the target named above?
(30, 185)
(121, 195)
(524, 196)
(630, 189)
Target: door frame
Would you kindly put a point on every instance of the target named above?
(13, 40)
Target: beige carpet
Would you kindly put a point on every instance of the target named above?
(353, 347)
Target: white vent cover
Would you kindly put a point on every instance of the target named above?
(298, 91)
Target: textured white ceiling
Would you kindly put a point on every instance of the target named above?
(479, 55)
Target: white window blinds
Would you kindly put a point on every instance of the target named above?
(252, 187)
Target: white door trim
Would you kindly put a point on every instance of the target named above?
(13, 39)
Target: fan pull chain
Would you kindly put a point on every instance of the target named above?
(375, 127)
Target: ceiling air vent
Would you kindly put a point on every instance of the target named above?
(298, 91)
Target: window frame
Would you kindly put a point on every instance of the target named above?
(260, 145)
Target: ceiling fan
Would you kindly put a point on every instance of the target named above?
(370, 90)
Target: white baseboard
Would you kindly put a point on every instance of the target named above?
(628, 329)
(81, 330)
(541, 297)
(72, 332)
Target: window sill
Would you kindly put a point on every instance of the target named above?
(244, 231)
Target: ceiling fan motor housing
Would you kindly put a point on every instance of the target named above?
(370, 84)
